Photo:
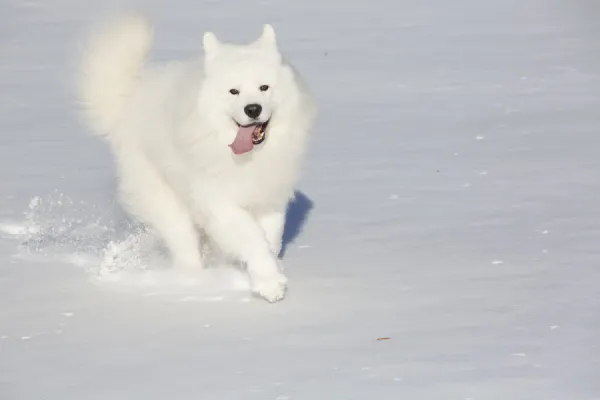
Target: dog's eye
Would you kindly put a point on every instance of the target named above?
(264, 88)
(234, 91)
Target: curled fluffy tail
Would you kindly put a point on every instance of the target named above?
(110, 70)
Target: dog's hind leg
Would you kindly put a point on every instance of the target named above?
(146, 195)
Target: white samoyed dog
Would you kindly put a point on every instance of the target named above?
(210, 147)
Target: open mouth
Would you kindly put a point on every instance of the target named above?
(259, 131)
(248, 136)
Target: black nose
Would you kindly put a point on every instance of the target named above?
(253, 110)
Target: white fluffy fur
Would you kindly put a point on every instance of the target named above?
(169, 128)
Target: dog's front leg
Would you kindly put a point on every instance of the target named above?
(272, 224)
(236, 232)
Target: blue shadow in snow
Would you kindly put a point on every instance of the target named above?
(295, 218)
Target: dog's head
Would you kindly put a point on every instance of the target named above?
(246, 84)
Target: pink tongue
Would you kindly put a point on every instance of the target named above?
(243, 141)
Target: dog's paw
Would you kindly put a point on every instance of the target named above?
(271, 288)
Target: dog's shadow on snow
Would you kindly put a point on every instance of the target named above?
(296, 216)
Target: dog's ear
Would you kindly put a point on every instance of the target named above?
(268, 37)
(211, 45)
(268, 34)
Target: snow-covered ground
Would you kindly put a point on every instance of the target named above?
(449, 203)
